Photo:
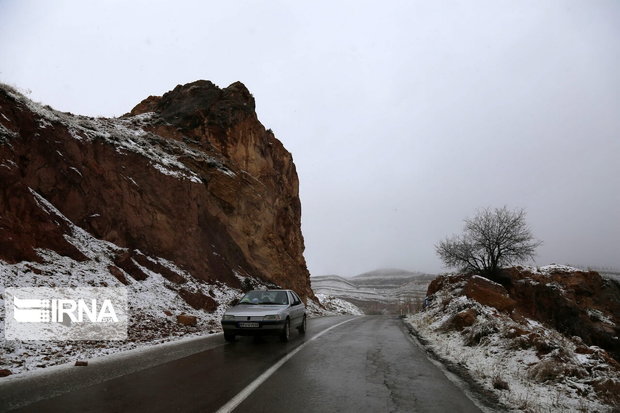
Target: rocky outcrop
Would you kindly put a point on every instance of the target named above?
(550, 330)
(190, 178)
(575, 303)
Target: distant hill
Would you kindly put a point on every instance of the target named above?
(378, 291)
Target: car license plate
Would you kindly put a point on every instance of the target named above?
(248, 325)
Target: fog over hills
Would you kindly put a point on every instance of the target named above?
(387, 290)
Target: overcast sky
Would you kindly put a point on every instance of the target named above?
(403, 117)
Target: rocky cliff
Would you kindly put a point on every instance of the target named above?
(188, 191)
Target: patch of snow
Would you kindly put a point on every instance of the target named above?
(599, 316)
(177, 174)
(335, 305)
(43, 123)
(4, 131)
(487, 280)
(550, 269)
(8, 164)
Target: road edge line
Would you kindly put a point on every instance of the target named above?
(249, 389)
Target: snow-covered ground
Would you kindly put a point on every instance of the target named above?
(154, 303)
(332, 306)
(505, 356)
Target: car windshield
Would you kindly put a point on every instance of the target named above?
(265, 297)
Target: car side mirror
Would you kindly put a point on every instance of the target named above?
(234, 302)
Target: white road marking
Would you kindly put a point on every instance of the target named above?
(243, 394)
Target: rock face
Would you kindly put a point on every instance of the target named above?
(575, 303)
(190, 178)
(550, 330)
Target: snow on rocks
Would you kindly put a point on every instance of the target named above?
(550, 269)
(333, 306)
(154, 303)
(529, 366)
(127, 135)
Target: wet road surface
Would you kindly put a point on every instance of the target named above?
(365, 365)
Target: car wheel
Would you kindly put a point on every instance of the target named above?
(229, 337)
(302, 327)
(286, 332)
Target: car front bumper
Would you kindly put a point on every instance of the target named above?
(264, 327)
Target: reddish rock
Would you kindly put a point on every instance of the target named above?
(166, 272)
(187, 320)
(488, 293)
(583, 350)
(5, 372)
(460, 320)
(239, 214)
(126, 262)
(198, 300)
(577, 304)
(566, 301)
(445, 281)
(118, 274)
(168, 313)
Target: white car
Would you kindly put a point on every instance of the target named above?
(270, 312)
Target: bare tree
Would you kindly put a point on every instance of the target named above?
(493, 239)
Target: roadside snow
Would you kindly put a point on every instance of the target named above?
(154, 303)
(529, 366)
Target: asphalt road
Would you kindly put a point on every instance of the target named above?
(367, 364)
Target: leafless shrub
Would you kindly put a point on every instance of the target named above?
(546, 370)
(608, 389)
(499, 383)
(554, 371)
(475, 334)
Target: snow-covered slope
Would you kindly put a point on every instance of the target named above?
(473, 323)
(154, 302)
(379, 291)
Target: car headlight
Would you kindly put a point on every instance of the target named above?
(272, 317)
(228, 317)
